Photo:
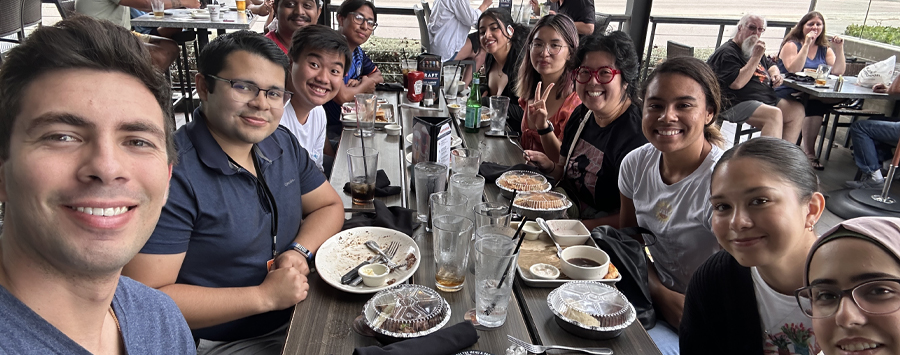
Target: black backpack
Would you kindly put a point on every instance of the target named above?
(627, 254)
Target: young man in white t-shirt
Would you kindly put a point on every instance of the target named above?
(319, 57)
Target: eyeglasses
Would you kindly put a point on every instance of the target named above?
(245, 92)
(538, 48)
(604, 75)
(358, 19)
(873, 297)
(754, 29)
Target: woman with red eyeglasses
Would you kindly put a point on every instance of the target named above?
(601, 131)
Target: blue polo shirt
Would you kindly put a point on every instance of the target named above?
(217, 215)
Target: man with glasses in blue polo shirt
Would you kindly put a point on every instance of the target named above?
(247, 206)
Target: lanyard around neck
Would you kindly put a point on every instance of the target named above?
(262, 190)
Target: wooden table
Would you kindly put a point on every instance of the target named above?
(390, 159)
(321, 323)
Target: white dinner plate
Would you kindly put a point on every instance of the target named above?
(343, 251)
(454, 140)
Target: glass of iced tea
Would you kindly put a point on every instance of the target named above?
(363, 170)
(451, 251)
(822, 74)
(158, 7)
(241, 5)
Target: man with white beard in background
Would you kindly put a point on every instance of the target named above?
(749, 78)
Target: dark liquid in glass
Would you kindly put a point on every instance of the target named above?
(361, 192)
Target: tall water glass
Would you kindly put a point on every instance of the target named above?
(431, 177)
(465, 161)
(365, 114)
(494, 275)
(451, 251)
(500, 105)
(445, 203)
(471, 186)
(363, 170)
(492, 214)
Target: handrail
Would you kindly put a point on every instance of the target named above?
(655, 20)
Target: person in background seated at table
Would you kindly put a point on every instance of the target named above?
(163, 51)
(601, 131)
(319, 56)
(119, 11)
(503, 40)
(766, 201)
(873, 142)
(358, 20)
(545, 84)
(247, 207)
(580, 11)
(449, 24)
(852, 288)
(292, 15)
(471, 50)
(806, 47)
(747, 78)
(665, 183)
(86, 154)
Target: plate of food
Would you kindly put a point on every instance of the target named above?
(406, 311)
(345, 250)
(542, 251)
(384, 116)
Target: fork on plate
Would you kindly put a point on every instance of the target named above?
(540, 349)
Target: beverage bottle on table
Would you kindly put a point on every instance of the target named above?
(473, 105)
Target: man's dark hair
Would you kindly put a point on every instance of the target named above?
(352, 5)
(80, 42)
(212, 59)
(319, 38)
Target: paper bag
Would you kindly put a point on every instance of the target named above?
(877, 73)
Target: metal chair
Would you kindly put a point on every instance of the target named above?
(740, 131)
(11, 20)
(675, 49)
(427, 8)
(423, 28)
(854, 110)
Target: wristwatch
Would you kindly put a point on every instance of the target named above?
(303, 251)
(549, 129)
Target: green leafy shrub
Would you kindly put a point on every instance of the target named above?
(387, 53)
(883, 34)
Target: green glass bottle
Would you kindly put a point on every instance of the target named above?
(473, 105)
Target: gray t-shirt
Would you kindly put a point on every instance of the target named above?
(151, 324)
(105, 10)
(679, 214)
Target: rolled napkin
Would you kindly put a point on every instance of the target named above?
(396, 218)
(492, 171)
(382, 186)
(447, 341)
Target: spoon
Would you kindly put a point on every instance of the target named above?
(543, 224)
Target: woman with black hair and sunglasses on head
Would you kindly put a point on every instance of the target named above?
(503, 40)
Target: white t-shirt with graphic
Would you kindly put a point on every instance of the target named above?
(311, 135)
(679, 214)
(786, 329)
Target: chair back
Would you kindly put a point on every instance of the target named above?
(423, 28)
(853, 68)
(427, 8)
(601, 22)
(11, 19)
(31, 12)
(675, 49)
